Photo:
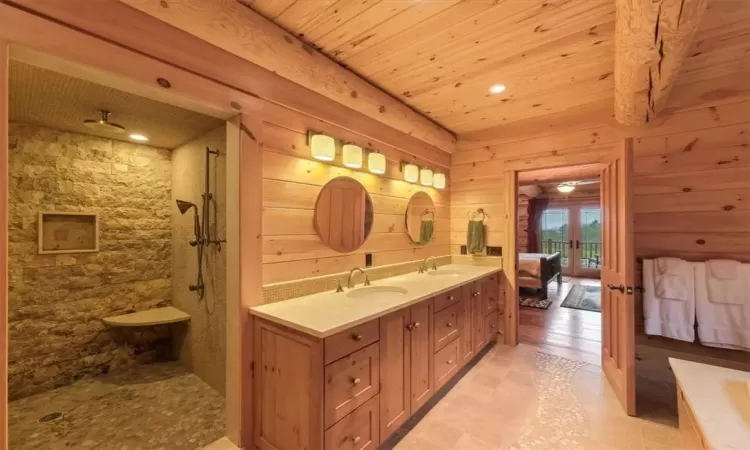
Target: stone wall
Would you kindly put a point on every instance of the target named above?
(56, 302)
(202, 346)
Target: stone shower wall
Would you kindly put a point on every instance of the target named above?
(56, 302)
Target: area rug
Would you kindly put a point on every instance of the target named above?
(533, 301)
(588, 298)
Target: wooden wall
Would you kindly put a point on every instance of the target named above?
(291, 183)
(523, 223)
(477, 170)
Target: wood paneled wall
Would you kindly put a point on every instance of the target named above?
(692, 185)
(292, 181)
(477, 171)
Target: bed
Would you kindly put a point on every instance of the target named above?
(536, 270)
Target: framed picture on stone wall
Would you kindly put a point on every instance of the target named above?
(68, 232)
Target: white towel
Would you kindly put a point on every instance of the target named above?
(669, 279)
(724, 283)
(667, 317)
(721, 324)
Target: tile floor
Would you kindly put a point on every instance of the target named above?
(156, 406)
(530, 398)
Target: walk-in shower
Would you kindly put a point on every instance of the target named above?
(201, 228)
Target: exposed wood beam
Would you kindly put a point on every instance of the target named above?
(651, 39)
(238, 29)
(113, 22)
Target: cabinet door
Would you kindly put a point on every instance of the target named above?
(491, 293)
(395, 371)
(466, 347)
(479, 336)
(421, 354)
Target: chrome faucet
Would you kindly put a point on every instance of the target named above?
(424, 269)
(351, 274)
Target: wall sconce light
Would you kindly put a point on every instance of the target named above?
(411, 172)
(425, 177)
(321, 146)
(376, 163)
(352, 156)
(438, 180)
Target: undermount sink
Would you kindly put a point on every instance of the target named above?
(445, 273)
(377, 292)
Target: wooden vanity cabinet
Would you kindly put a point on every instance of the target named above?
(353, 389)
(406, 352)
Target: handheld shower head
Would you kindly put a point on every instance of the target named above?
(184, 206)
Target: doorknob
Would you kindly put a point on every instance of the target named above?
(620, 288)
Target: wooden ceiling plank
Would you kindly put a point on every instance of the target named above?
(463, 41)
(716, 91)
(270, 9)
(375, 55)
(522, 31)
(651, 40)
(560, 174)
(583, 47)
(361, 26)
(249, 35)
(337, 16)
(301, 13)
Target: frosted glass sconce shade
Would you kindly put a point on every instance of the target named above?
(376, 163)
(425, 177)
(352, 156)
(322, 147)
(411, 173)
(438, 180)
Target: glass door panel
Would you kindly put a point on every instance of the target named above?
(555, 234)
(588, 240)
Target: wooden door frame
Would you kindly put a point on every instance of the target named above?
(25, 34)
(510, 243)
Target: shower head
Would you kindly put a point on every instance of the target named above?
(184, 206)
(103, 123)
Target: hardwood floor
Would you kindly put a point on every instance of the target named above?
(564, 329)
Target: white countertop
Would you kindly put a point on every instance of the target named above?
(719, 399)
(327, 313)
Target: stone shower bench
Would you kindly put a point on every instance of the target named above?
(156, 316)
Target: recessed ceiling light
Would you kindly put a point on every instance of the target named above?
(497, 88)
(138, 137)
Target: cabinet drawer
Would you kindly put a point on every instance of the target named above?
(446, 326)
(360, 430)
(350, 382)
(447, 299)
(446, 363)
(351, 340)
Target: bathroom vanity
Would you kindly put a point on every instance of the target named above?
(344, 370)
(713, 405)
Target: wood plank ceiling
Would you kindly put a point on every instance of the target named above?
(554, 56)
(441, 57)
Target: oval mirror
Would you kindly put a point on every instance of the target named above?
(343, 214)
(420, 218)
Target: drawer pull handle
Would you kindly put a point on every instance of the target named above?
(357, 337)
(451, 298)
(449, 324)
(416, 324)
(356, 439)
(355, 381)
(450, 361)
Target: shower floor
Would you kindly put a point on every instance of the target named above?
(155, 406)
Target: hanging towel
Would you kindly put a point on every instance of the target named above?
(722, 325)
(425, 231)
(724, 283)
(669, 281)
(475, 236)
(667, 317)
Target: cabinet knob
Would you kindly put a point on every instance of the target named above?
(357, 337)
(356, 439)
(450, 361)
(475, 294)
(356, 381)
(416, 324)
(410, 326)
(451, 298)
(449, 324)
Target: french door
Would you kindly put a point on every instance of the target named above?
(576, 232)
